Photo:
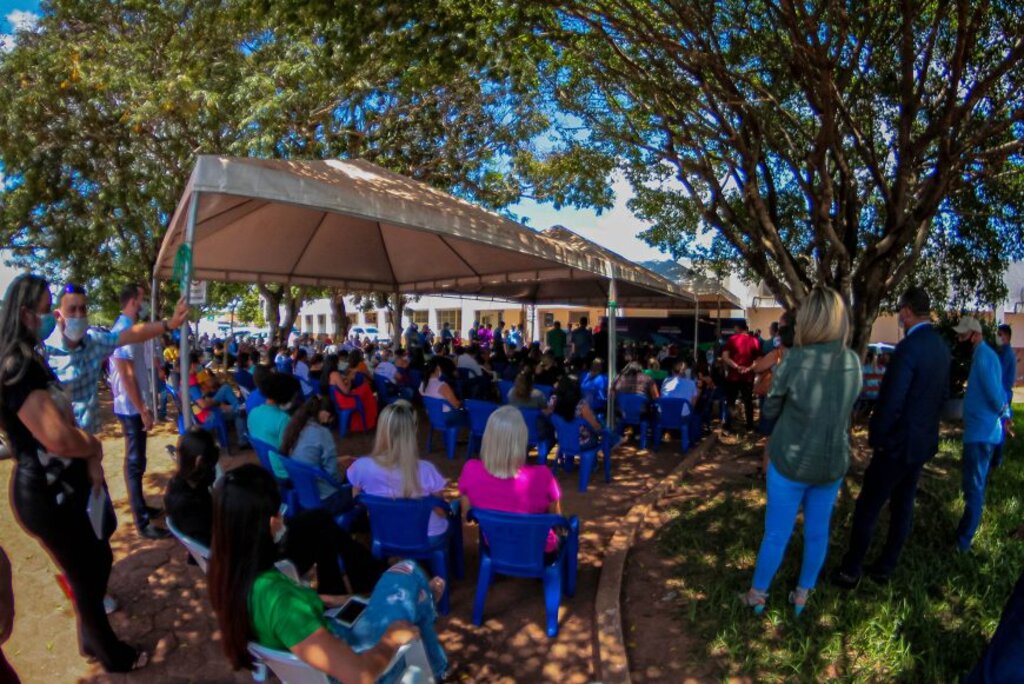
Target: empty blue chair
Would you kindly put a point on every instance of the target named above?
(504, 387)
(633, 411)
(513, 544)
(214, 420)
(386, 390)
(568, 434)
(546, 390)
(304, 480)
(344, 416)
(670, 417)
(398, 527)
(436, 416)
(479, 412)
(532, 418)
(288, 494)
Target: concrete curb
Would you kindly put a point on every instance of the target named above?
(612, 661)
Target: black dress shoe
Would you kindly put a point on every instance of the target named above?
(152, 532)
(844, 581)
(877, 574)
(153, 511)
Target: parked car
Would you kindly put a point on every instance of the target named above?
(368, 331)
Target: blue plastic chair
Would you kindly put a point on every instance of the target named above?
(386, 391)
(344, 416)
(504, 387)
(214, 421)
(288, 494)
(513, 544)
(479, 412)
(436, 416)
(304, 480)
(546, 390)
(568, 435)
(532, 418)
(671, 418)
(633, 411)
(398, 527)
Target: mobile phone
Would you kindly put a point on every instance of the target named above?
(350, 612)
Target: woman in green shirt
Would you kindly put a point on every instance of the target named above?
(256, 602)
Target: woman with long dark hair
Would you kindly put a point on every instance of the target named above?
(256, 602)
(352, 384)
(307, 441)
(568, 403)
(58, 467)
(187, 498)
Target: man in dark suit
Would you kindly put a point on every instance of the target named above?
(904, 434)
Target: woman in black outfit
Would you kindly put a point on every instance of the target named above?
(58, 465)
(187, 500)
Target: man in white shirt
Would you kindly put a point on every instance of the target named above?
(465, 360)
(130, 377)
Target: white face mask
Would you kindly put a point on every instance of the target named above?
(75, 328)
(279, 535)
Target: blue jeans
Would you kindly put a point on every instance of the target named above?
(785, 498)
(1003, 660)
(135, 466)
(976, 461)
(402, 593)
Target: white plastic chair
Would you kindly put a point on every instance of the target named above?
(200, 553)
(410, 660)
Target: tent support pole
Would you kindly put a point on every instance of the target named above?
(396, 341)
(184, 351)
(154, 375)
(696, 329)
(613, 305)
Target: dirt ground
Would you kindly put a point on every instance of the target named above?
(164, 606)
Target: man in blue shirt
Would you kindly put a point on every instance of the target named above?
(76, 352)
(985, 408)
(1008, 365)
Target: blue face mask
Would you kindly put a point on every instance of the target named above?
(47, 322)
(75, 328)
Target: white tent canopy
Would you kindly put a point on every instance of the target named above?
(353, 225)
(357, 226)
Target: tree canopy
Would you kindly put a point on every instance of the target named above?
(105, 104)
(860, 145)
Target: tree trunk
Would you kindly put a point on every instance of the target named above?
(863, 312)
(293, 300)
(340, 315)
(272, 299)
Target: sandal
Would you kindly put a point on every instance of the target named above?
(754, 599)
(798, 598)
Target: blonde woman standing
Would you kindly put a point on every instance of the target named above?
(394, 469)
(812, 395)
(501, 480)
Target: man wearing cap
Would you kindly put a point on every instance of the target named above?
(904, 435)
(985, 407)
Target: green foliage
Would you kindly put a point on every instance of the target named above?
(864, 145)
(104, 106)
(929, 624)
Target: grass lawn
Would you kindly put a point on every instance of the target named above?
(929, 624)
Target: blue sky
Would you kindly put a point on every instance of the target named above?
(615, 229)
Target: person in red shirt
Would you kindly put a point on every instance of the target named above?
(739, 354)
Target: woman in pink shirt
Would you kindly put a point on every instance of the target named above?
(501, 480)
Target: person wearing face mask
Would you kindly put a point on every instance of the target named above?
(130, 377)
(1008, 373)
(76, 352)
(985, 409)
(904, 434)
(59, 467)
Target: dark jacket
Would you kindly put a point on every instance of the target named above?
(812, 393)
(190, 506)
(905, 422)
